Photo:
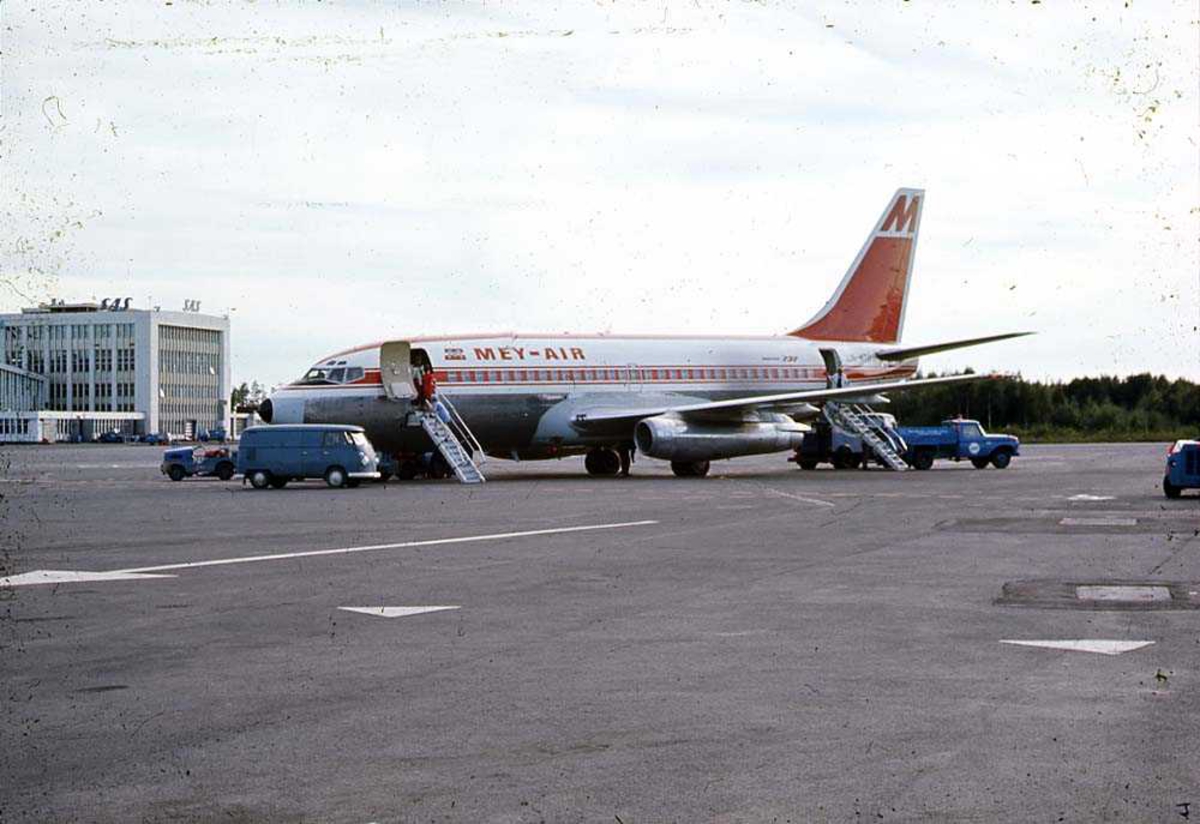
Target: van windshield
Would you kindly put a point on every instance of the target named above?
(360, 440)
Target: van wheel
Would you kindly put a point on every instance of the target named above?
(1169, 489)
(278, 483)
(176, 473)
(260, 479)
(1001, 459)
(979, 463)
(923, 460)
(353, 483)
(225, 471)
(335, 477)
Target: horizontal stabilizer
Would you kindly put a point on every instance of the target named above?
(910, 352)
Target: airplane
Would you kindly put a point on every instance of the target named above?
(688, 399)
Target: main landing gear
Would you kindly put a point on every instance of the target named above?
(690, 469)
(609, 462)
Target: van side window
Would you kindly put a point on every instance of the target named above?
(335, 439)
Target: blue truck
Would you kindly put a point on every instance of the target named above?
(1183, 468)
(187, 461)
(957, 439)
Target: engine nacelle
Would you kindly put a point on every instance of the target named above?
(672, 439)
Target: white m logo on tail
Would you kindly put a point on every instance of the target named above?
(903, 216)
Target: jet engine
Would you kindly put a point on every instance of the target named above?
(673, 439)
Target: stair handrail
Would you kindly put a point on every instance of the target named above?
(464, 431)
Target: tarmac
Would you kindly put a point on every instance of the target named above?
(765, 644)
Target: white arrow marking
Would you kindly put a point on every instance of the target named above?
(1085, 645)
(395, 612)
(1086, 497)
(283, 556)
(66, 576)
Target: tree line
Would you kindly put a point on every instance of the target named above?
(1141, 407)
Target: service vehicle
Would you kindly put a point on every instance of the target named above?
(111, 437)
(957, 439)
(1183, 468)
(187, 461)
(830, 444)
(271, 456)
(217, 433)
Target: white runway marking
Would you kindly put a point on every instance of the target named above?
(800, 498)
(1085, 645)
(1120, 592)
(395, 612)
(1098, 522)
(24, 580)
(1086, 497)
(65, 576)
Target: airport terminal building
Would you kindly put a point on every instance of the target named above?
(78, 370)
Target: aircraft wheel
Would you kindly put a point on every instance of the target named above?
(980, 463)
(438, 468)
(602, 462)
(260, 479)
(807, 463)
(408, 470)
(335, 477)
(690, 469)
(1169, 489)
(176, 473)
(1001, 459)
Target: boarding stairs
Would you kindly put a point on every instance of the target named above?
(860, 419)
(454, 441)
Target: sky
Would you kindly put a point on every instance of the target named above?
(331, 174)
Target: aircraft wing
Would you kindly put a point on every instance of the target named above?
(735, 409)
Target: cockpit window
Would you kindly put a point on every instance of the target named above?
(315, 375)
(330, 375)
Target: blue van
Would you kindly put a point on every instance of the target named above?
(1183, 468)
(273, 455)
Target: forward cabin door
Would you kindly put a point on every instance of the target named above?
(395, 368)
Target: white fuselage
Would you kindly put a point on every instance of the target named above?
(508, 387)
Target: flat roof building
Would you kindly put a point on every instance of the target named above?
(162, 371)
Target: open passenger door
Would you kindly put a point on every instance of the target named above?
(395, 368)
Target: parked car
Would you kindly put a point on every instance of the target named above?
(1183, 468)
(217, 433)
(111, 437)
(187, 461)
(273, 455)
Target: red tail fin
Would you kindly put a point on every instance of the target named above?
(869, 303)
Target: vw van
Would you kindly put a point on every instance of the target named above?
(270, 456)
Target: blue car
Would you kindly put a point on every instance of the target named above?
(1183, 468)
(186, 461)
(270, 456)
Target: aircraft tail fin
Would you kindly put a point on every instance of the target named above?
(869, 304)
